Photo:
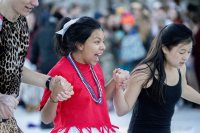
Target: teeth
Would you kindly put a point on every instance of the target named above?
(98, 54)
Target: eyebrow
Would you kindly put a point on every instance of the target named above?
(97, 37)
(182, 50)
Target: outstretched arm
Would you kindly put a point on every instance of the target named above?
(188, 92)
(38, 79)
(60, 90)
(124, 100)
(111, 85)
(34, 78)
(48, 112)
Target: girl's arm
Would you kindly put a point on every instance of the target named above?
(48, 112)
(124, 100)
(188, 92)
(111, 85)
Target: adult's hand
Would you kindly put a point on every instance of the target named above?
(8, 104)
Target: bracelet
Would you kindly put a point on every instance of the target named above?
(48, 82)
(51, 100)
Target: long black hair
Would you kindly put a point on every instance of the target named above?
(79, 32)
(169, 36)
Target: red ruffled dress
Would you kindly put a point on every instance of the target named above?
(80, 111)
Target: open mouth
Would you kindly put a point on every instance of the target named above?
(29, 8)
(97, 56)
(182, 63)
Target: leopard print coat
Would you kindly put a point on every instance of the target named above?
(13, 48)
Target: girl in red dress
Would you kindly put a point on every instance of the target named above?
(81, 42)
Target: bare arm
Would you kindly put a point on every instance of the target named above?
(34, 78)
(61, 90)
(48, 112)
(111, 85)
(125, 100)
(39, 79)
(188, 92)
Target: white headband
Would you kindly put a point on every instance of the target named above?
(66, 26)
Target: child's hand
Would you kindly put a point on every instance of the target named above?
(121, 78)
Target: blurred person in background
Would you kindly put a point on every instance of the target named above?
(114, 33)
(158, 17)
(131, 49)
(142, 16)
(74, 10)
(43, 53)
(174, 16)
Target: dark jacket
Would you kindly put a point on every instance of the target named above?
(43, 52)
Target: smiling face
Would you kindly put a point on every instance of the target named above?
(23, 7)
(89, 52)
(177, 56)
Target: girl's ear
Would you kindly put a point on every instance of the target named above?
(164, 49)
(79, 46)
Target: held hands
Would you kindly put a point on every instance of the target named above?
(8, 104)
(60, 89)
(121, 77)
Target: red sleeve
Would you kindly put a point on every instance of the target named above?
(45, 97)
